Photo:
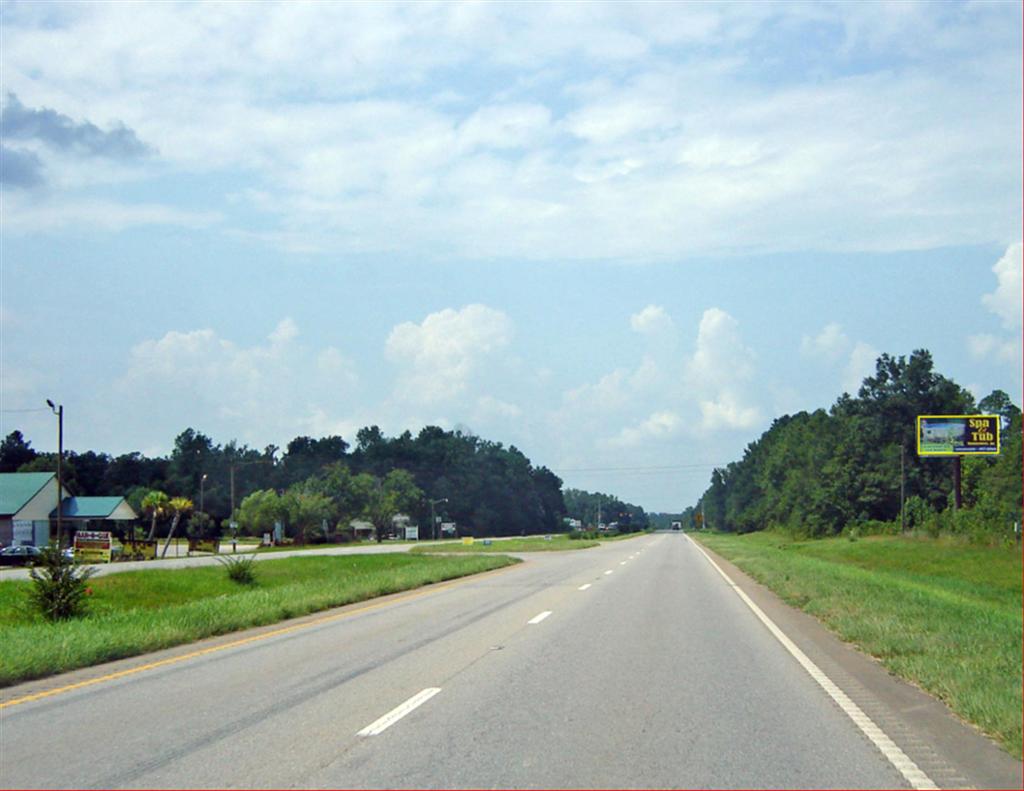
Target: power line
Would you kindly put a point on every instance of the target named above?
(39, 409)
(663, 468)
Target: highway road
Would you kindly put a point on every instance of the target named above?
(634, 664)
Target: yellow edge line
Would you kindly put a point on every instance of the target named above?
(236, 643)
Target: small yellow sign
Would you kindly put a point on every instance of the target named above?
(467, 539)
(204, 545)
(93, 546)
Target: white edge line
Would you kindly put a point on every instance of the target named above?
(393, 716)
(609, 571)
(540, 617)
(583, 587)
(899, 759)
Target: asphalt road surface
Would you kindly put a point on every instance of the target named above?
(634, 664)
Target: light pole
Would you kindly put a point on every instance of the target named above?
(202, 491)
(59, 412)
(433, 519)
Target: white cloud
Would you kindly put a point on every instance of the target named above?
(1005, 301)
(720, 371)
(489, 408)
(658, 426)
(989, 347)
(860, 365)
(275, 389)
(651, 320)
(727, 412)
(572, 131)
(830, 344)
(438, 357)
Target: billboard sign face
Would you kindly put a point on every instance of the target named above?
(93, 546)
(957, 435)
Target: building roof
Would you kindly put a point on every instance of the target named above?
(88, 507)
(17, 488)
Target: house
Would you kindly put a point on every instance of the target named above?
(79, 511)
(26, 501)
(28, 509)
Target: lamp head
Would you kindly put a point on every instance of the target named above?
(50, 403)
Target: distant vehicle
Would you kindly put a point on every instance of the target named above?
(19, 556)
(677, 525)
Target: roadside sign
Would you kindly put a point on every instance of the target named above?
(958, 435)
(467, 539)
(412, 533)
(204, 545)
(93, 546)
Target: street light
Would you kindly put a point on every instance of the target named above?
(59, 412)
(202, 487)
(433, 519)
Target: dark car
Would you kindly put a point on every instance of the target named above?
(19, 556)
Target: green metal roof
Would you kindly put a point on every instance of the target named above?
(87, 507)
(17, 488)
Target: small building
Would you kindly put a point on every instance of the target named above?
(79, 512)
(28, 509)
(27, 499)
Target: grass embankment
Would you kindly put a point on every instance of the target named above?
(530, 544)
(136, 612)
(942, 614)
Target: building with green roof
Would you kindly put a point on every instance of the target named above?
(28, 509)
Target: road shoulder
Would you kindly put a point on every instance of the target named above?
(951, 752)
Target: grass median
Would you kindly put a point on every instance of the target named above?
(136, 612)
(530, 544)
(942, 614)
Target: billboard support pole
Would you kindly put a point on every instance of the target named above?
(903, 487)
(957, 494)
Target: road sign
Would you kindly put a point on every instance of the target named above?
(958, 435)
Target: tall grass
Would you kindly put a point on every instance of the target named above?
(136, 612)
(943, 614)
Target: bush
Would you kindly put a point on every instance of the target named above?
(59, 587)
(240, 569)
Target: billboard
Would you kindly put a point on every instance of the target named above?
(957, 435)
(93, 546)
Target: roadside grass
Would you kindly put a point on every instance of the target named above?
(141, 611)
(943, 614)
(530, 544)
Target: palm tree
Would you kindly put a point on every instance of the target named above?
(179, 505)
(156, 504)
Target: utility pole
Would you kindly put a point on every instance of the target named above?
(59, 412)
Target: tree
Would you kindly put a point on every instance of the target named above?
(180, 506)
(156, 504)
(14, 452)
(259, 512)
(998, 403)
(386, 498)
(307, 511)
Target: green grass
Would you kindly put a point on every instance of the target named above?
(531, 544)
(943, 614)
(140, 611)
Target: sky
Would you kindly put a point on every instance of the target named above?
(621, 237)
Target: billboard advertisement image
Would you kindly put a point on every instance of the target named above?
(957, 435)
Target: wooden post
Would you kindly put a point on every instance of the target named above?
(957, 494)
(903, 488)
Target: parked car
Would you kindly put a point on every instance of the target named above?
(19, 556)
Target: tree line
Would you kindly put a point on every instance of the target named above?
(818, 473)
(483, 486)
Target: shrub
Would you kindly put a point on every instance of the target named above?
(241, 569)
(59, 587)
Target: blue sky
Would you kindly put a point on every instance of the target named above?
(622, 237)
